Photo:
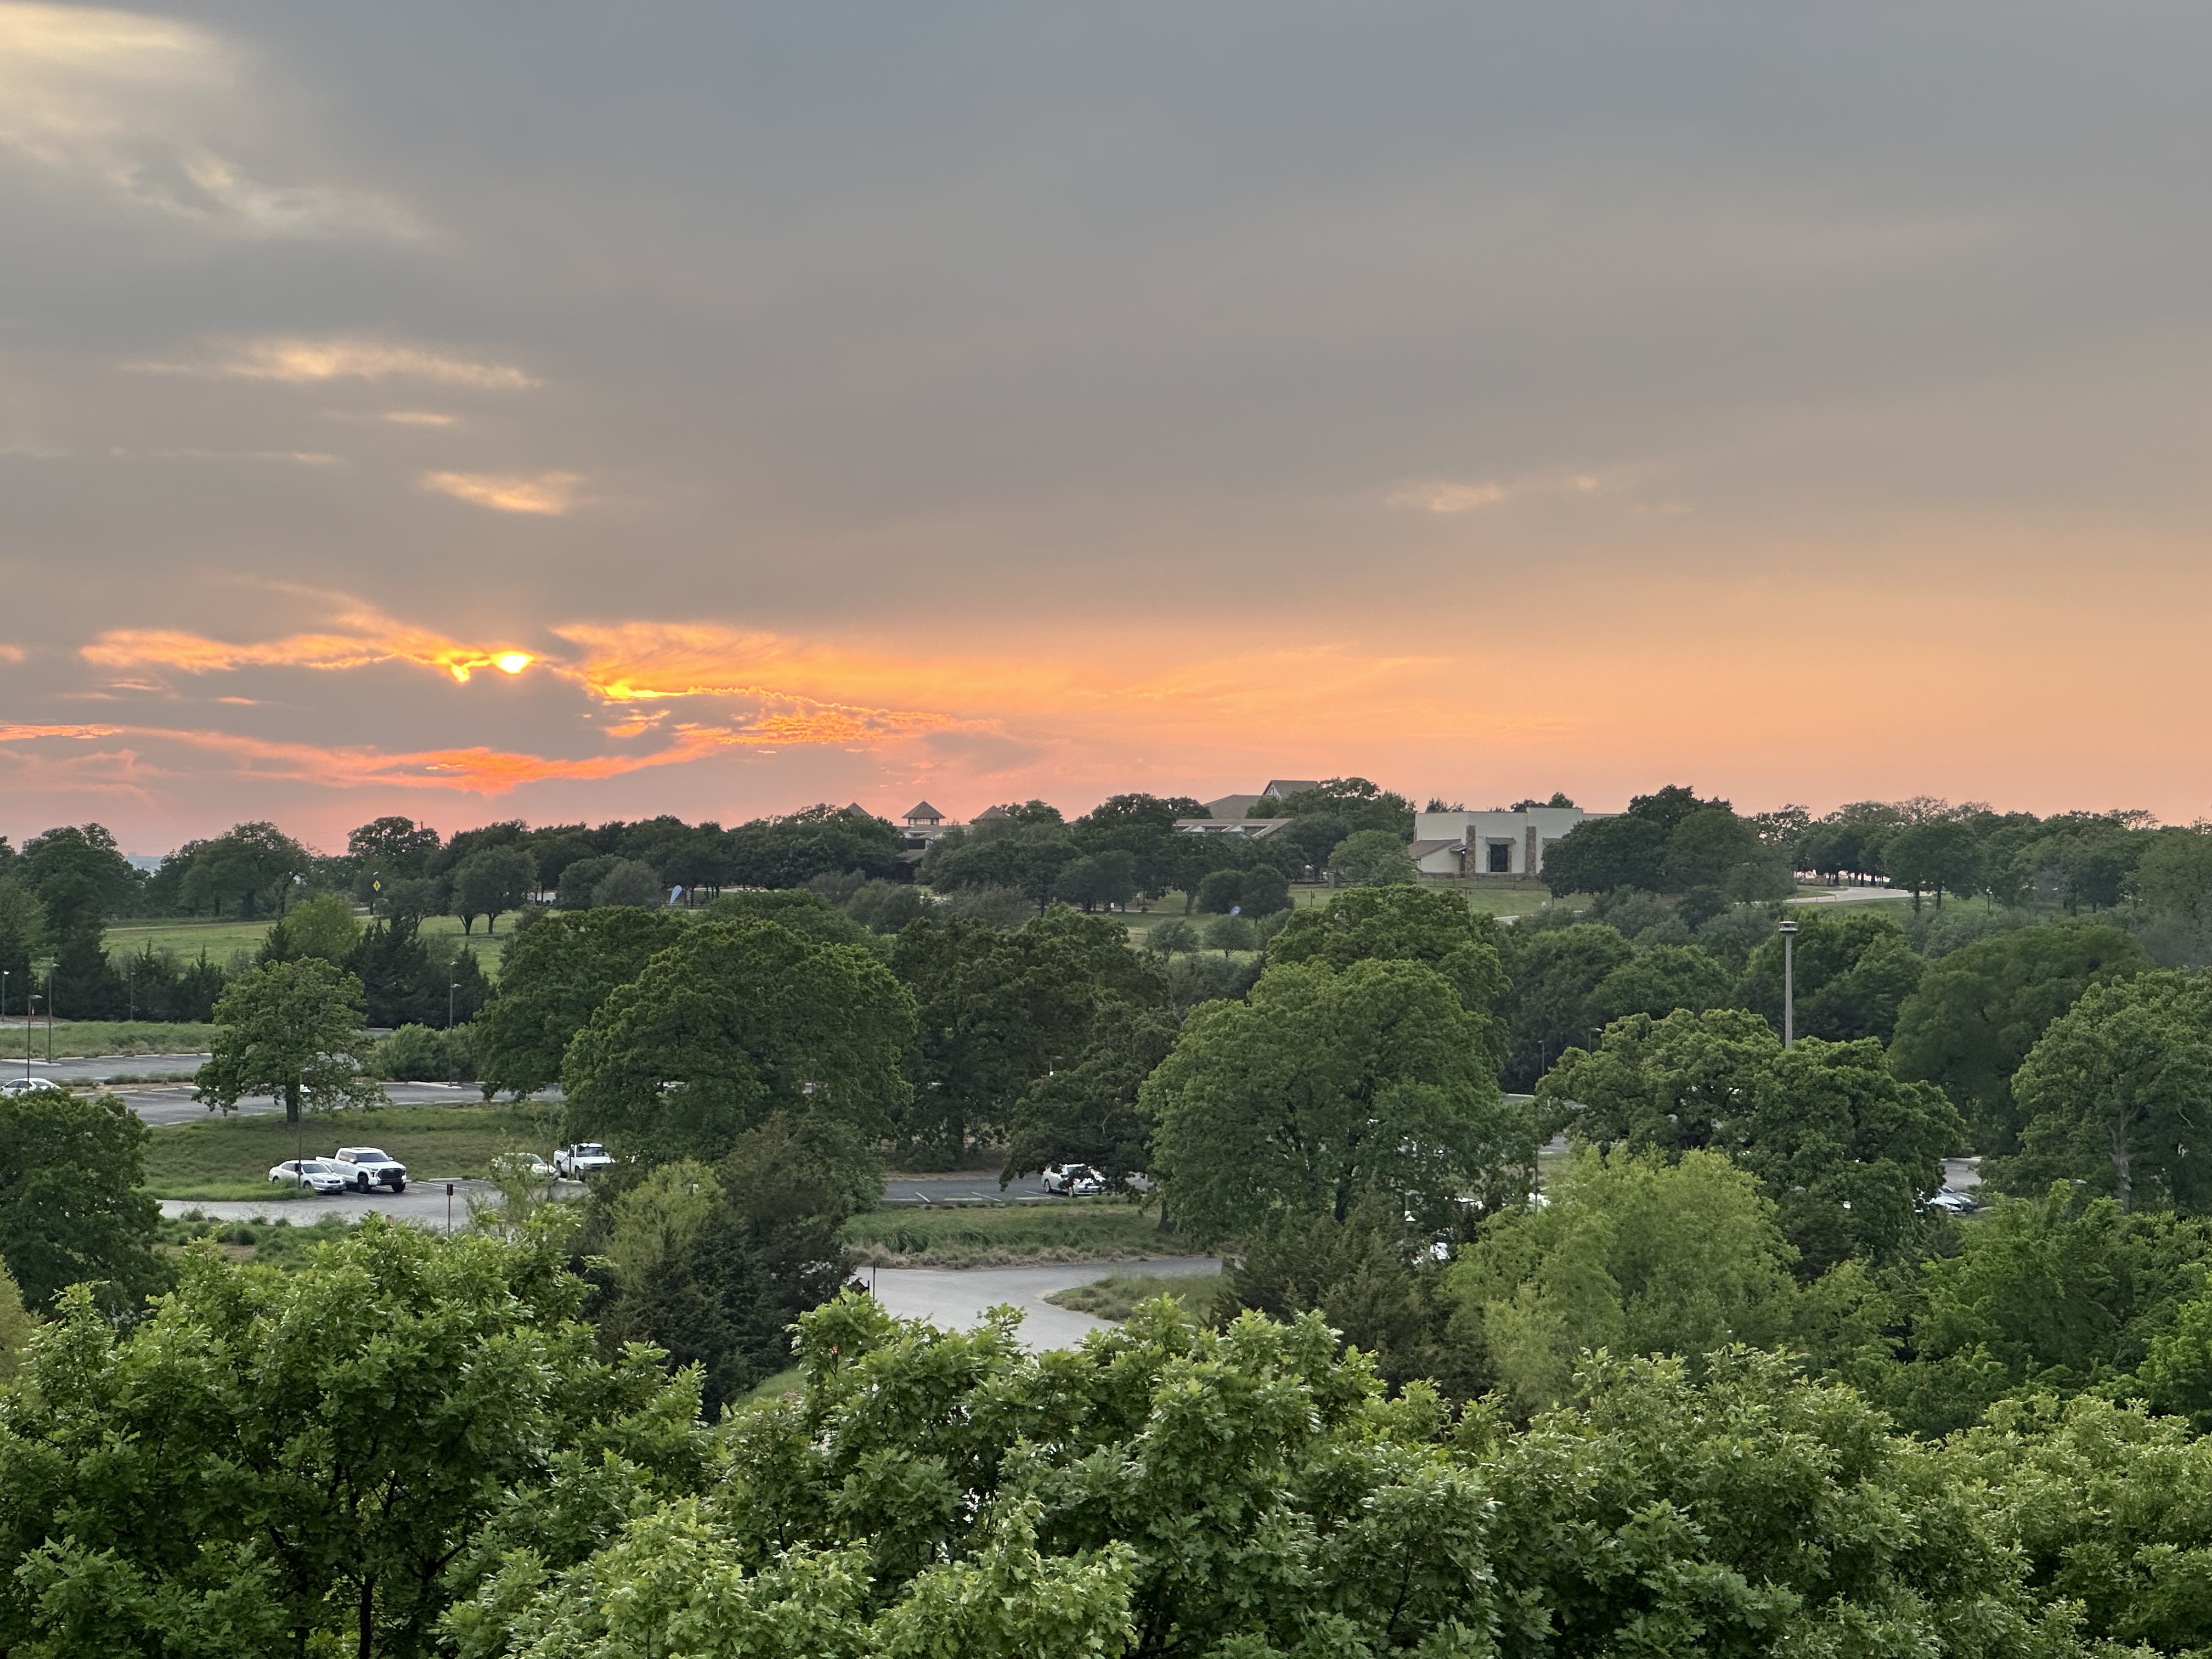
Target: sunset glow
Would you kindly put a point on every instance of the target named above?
(1553, 416)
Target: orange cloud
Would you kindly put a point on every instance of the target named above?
(550, 494)
(379, 639)
(25, 733)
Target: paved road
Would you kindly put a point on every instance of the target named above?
(99, 1067)
(1851, 895)
(957, 1298)
(172, 1102)
(971, 1188)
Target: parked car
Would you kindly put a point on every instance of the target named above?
(28, 1086)
(312, 1173)
(1952, 1201)
(585, 1157)
(370, 1168)
(1073, 1180)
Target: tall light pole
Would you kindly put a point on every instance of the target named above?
(1788, 931)
(450, 990)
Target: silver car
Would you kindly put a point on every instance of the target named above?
(312, 1173)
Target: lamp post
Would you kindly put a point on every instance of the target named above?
(29, 1013)
(450, 990)
(1788, 931)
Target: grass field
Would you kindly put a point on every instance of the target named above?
(1003, 1236)
(224, 939)
(230, 1158)
(75, 1039)
(1116, 1295)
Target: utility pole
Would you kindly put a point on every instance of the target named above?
(1788, 931)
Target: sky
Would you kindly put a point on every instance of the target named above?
(574, 412)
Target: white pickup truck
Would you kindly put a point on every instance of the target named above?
(371, 1166)
(585, 1157)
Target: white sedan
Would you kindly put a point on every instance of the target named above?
(312, 1173)
(1073, 1180)
(28, 1086)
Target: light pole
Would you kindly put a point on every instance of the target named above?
(450, 990)
(29, 997)
(1788, 931)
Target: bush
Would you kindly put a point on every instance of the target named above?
(417, 1054)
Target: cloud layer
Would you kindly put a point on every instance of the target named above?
(715, 410)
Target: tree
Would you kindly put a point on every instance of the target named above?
(322, 925)
(1219, 892)
(735, 1022)
(294, 1029)
(392, 848)
(557, 973)
(1090, 1111)
(2173, 877)
(1326, 1088)
(1601, 854)
(305, 1462)
(1853, 973)
(630, 881)
(789, 852)
(1231, 932)
(87, 855)
(1938, 855)
(2113, 1094)
(1660, 980)
(1249, 1491)
(251, 867)
(1555, 975)
(16, 1325)
(71, 1207)
(489, 881)
(1842, 1147)
(1405, 924)
(22, 935)
(1264, 892)
(1980, 1009)
(1372, 858)
(998, 1011)
(1092, 879)
(801, 909)
(1635, 1255)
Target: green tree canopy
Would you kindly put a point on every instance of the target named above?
(1853, 972)
(1633, 1254)
(734, 1022)
(1658, 980)
(493, 880)
(302, 1461)
(1978, 1011)
(2114, 1094)
(1842, 1147)
(70, 1208)
(997, 1010)
(1556, 973)
(1325, 1088)
(1599, 855)
(1372, 858)
(556, 974)
(1404, 924)
(292, 1028)
(79, 869)
(823, 840)
(251, 867)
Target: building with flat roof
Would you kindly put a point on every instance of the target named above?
(1496, 843)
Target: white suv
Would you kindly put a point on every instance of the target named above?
(366, 1167)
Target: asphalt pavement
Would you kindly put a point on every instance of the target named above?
(96, 1069)
(957, 1298)
(163, 1103)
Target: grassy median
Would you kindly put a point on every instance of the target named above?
(1116, 1295)
(230, 1158)
(998, 1235)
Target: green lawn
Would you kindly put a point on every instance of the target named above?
(77, 1038)
(1116, 1295)
(275, 1243)
(222, 938)
(230, 1158)
(997, 1236)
